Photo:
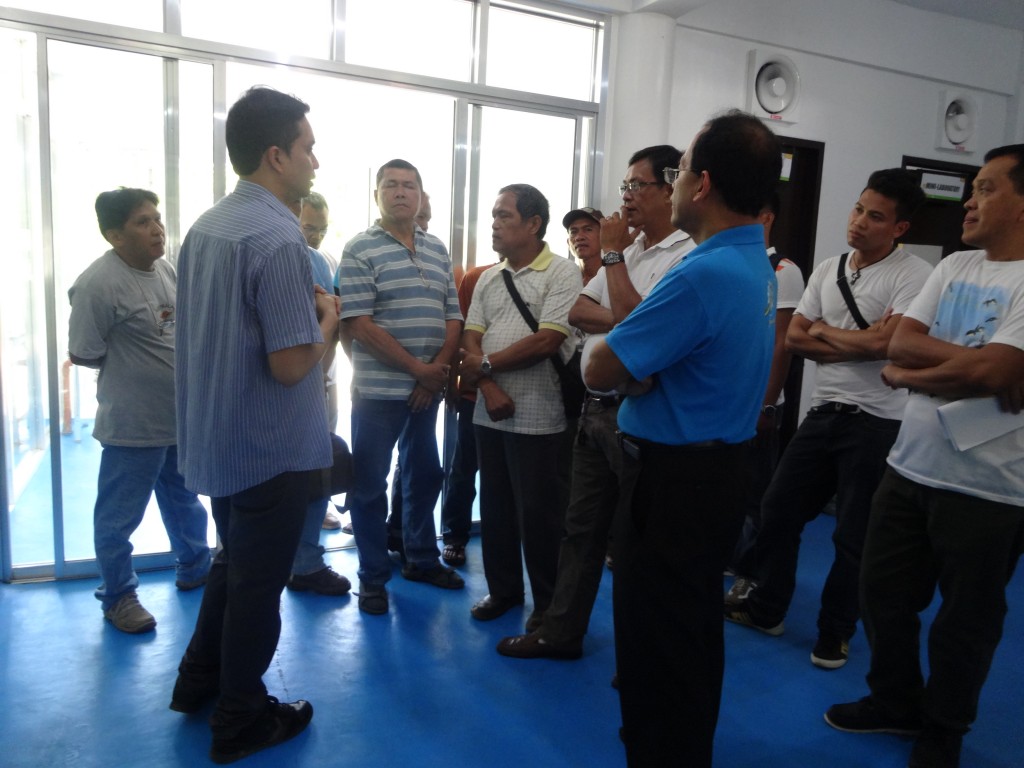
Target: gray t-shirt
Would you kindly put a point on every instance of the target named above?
(123, 319)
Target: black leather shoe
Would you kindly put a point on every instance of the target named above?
(533, 646)
(492, 607)
(326, 581)
(278, 723)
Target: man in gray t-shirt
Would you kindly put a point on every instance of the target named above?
(122, 323)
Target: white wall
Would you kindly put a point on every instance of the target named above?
(872, 72)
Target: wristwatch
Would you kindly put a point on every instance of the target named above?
(485, 366)
(612, 257)
(769, 410)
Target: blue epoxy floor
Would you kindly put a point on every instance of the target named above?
(423, 687)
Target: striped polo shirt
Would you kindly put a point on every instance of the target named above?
(245, 289)
(410, 295)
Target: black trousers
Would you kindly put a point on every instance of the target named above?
(686, 511)
(920, 538)
(239, 621)
(524, 489)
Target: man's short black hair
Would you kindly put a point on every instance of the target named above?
(404, 165)
(660, 156)
(530, 202)
(743, 158)
(114, 208)
(902, 186)
(1016, 151)
(261, 119)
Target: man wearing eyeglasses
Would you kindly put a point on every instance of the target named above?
(693, 359)
(840, 447)
(640, 246)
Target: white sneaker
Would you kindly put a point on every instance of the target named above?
(331, 521)
(128, 615)
(739, 591)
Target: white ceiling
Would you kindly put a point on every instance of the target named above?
(1002, 13)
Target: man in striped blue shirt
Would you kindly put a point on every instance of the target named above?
(252, 423)
(400, 307)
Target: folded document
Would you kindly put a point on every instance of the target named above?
(976, 420)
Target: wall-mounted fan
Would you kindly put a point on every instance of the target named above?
(957, 127)
(773, 86)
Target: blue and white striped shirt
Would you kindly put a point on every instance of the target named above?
(245, 289)
(410, 295)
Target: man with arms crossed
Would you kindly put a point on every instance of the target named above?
(252, 423)
(946, 517)
(634, 262)
(693, 358)
(841, 445)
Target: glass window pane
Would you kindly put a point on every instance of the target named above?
(300, 27)
(88, 157)
(350, 146)
(546, 165)
(572, 77)
(25, 429)
(195, 161)
(141, 14)
(435, 37)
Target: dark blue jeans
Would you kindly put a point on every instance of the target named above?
(460, 488)
(841, 454)
(239, 620)
(920, 537)
(376, 426)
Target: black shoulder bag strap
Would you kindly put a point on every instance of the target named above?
(844, 288)
(530, 321)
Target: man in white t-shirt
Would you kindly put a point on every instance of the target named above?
(946, 517)
(640, 246)
(764, 450)
(840, 448)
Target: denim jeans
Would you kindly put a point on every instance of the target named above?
(831, 453)
(376, 426)
(920, 538)
(309, 557)
(128, 477)
(460, 488)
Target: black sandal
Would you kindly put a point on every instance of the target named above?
(454, 554)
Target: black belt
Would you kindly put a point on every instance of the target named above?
(834, 407)
(637, 447)
(608, 401)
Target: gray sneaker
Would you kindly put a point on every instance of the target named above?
(128, 615)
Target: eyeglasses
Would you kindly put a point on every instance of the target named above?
(672, 174)
(633, 186)
(311, 230)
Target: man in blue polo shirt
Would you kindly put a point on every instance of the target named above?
(694, 395)
(401, 310)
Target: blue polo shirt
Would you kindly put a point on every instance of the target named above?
(706, 333)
